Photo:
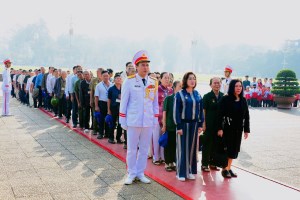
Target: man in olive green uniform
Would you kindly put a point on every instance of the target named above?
(93, 84)
(210, 107)
(78, 97)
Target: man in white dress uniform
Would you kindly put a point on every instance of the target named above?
(6, 87)
(226, 81)
(138, 114)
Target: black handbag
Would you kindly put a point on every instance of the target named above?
(219, 156)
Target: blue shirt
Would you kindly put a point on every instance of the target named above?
(72, 85)
(188, 108)
(38, 81)
(33, 80)
(114, 95)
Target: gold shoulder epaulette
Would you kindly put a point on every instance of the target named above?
(132, 76)
(153, 78)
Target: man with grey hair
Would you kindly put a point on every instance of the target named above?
(210, 106)
(59, 92)
(85, 100)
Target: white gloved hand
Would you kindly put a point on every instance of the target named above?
(124, 127)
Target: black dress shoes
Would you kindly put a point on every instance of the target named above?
(234, 175)
(226, 174)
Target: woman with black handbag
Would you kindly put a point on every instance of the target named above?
(233, 120)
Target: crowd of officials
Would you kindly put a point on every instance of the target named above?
(137, 107)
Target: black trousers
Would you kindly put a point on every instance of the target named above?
(81, 117)
(35, 102)
(208, 147)
(27, 98)
(62, 106)
(115, 116)
(87, 110)
(74, 109)
(170, 149)
(103, 130)
(13, 92)
(68, 107)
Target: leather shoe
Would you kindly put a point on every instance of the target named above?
(129, 181)
(94, 132)
(143, 179)
(120, 142)
(205, 169)
(99, 136)
(111, 141)
(234, 175)
(226, 174)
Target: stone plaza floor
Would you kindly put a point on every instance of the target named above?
(41, 159)
(273, 147)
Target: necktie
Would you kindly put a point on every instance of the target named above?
(144, 81)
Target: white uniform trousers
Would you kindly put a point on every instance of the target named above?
(5, 103)
(150, 151)
(30, 99)
(138, 141)
(158, 151)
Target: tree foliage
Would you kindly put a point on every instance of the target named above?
(286, 83)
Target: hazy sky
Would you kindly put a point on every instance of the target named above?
(257, 22)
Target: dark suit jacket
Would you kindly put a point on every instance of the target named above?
(44, 81)
(233, 121)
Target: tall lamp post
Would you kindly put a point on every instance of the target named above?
(71, 31)
(194, 50)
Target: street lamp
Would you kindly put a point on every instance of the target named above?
(194, 48)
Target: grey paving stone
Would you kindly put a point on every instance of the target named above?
(70, 196)
(101, 193)
(5, 185)
(30, 191)
(31, 173)
(61, 187)
(39, 197)
(140, 197)
(127, 190)
(45, 160)
(7, 194)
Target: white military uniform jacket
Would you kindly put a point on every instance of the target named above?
(139, 103)
(6, 85)
(225, 85)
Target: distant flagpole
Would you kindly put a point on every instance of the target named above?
(71, 31)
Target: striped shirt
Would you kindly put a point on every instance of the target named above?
(188, 107)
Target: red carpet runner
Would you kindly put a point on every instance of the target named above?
(207, 185)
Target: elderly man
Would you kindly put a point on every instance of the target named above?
(38, 84)
(210, 107)
(85, 99)
(69, 94)
(59, 92)
(93, 85)
(6, 87)
(78, 97)
(101, 98)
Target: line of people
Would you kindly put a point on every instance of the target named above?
(142, 106)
